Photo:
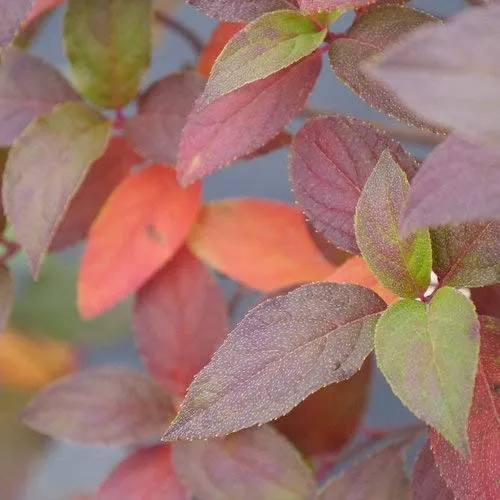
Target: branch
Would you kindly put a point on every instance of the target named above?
(182, 30)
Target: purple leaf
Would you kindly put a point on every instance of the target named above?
(14, 12)
(487, 300)
(284, 349)
(332, 158)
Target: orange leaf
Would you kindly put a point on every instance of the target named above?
(142, 225)
(263, 244)
(220, 36)
(356, 271)
(28, 362)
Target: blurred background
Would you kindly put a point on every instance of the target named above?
(54, 471)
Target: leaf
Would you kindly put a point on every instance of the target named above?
(6, 296)
(327, 420)
(467, 254)
(213, 135)
(380, 476)
(450, 73)
(427, 483)
(101, 406)
(478, 476)
(458, 182)
(29, 87)
(428, 354)
(180, 319)
(46, 166)
(487, 300)
(163, 109)
(367, 38)
(312, 6)
(122, 253)
(401, 264)
(14, 12)
(332, 157)
(315, 335)
(223, 32)
(255, 463)
(108, 45)
(356, 271)
(145, 474)
(240, 10)
(261, 243)
(331, 253)
(40, 7)
(31, 362)
(104, 175)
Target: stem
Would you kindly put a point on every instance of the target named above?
(182, 30)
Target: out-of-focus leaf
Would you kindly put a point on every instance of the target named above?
(46, 166)
(429, 354)
(328, 419)
(458, 182)
(147, 474)
(487, 300)
(28, 362)
(101, 406)
(255, 463)
(467, 254)
(450, 73)
(368, 37)
(282, 351)
(427, 483)
(401, 264)
(108, 44)
(104, 175)
(180, 320)
(264, 47)
(478, 475)
(40, 7)
(332, 157)
(29, 87)
(155, 131)
(243, 121)
(263, 244)
(240, 10)
(144, 222)
(356, 271)
(218, 40)
(380, 476)
(14, 12)
(6, 296)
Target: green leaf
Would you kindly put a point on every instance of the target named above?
(268, 44)
(401, 264)
(429, 355)
(108, 44)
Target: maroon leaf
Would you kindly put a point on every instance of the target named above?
(311, 6)
(103, 177)
(478, 475)
(101, 406)
(450, 73)
(487, 300)
(315, 335)
(29, 87)
(147, 474)
(427, 483)
(257, 463)
(381, 476)
(244, 120)
(331, 160)
(458, 182)
(281, 140)
(240, 10)
(368, 37)
(162, 114)
(14, 12)
(6, 296)
(180, 320)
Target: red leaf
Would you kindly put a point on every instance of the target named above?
(147, 474)
(142, 225)
(242, 121)
(487, 300)
(6, 296)
(14, 12)
(263, 244)
(332, 157)
(42, 6)
(162, 113)
(101, 406)
(180, 320)
(478, 476)
(104, 175)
